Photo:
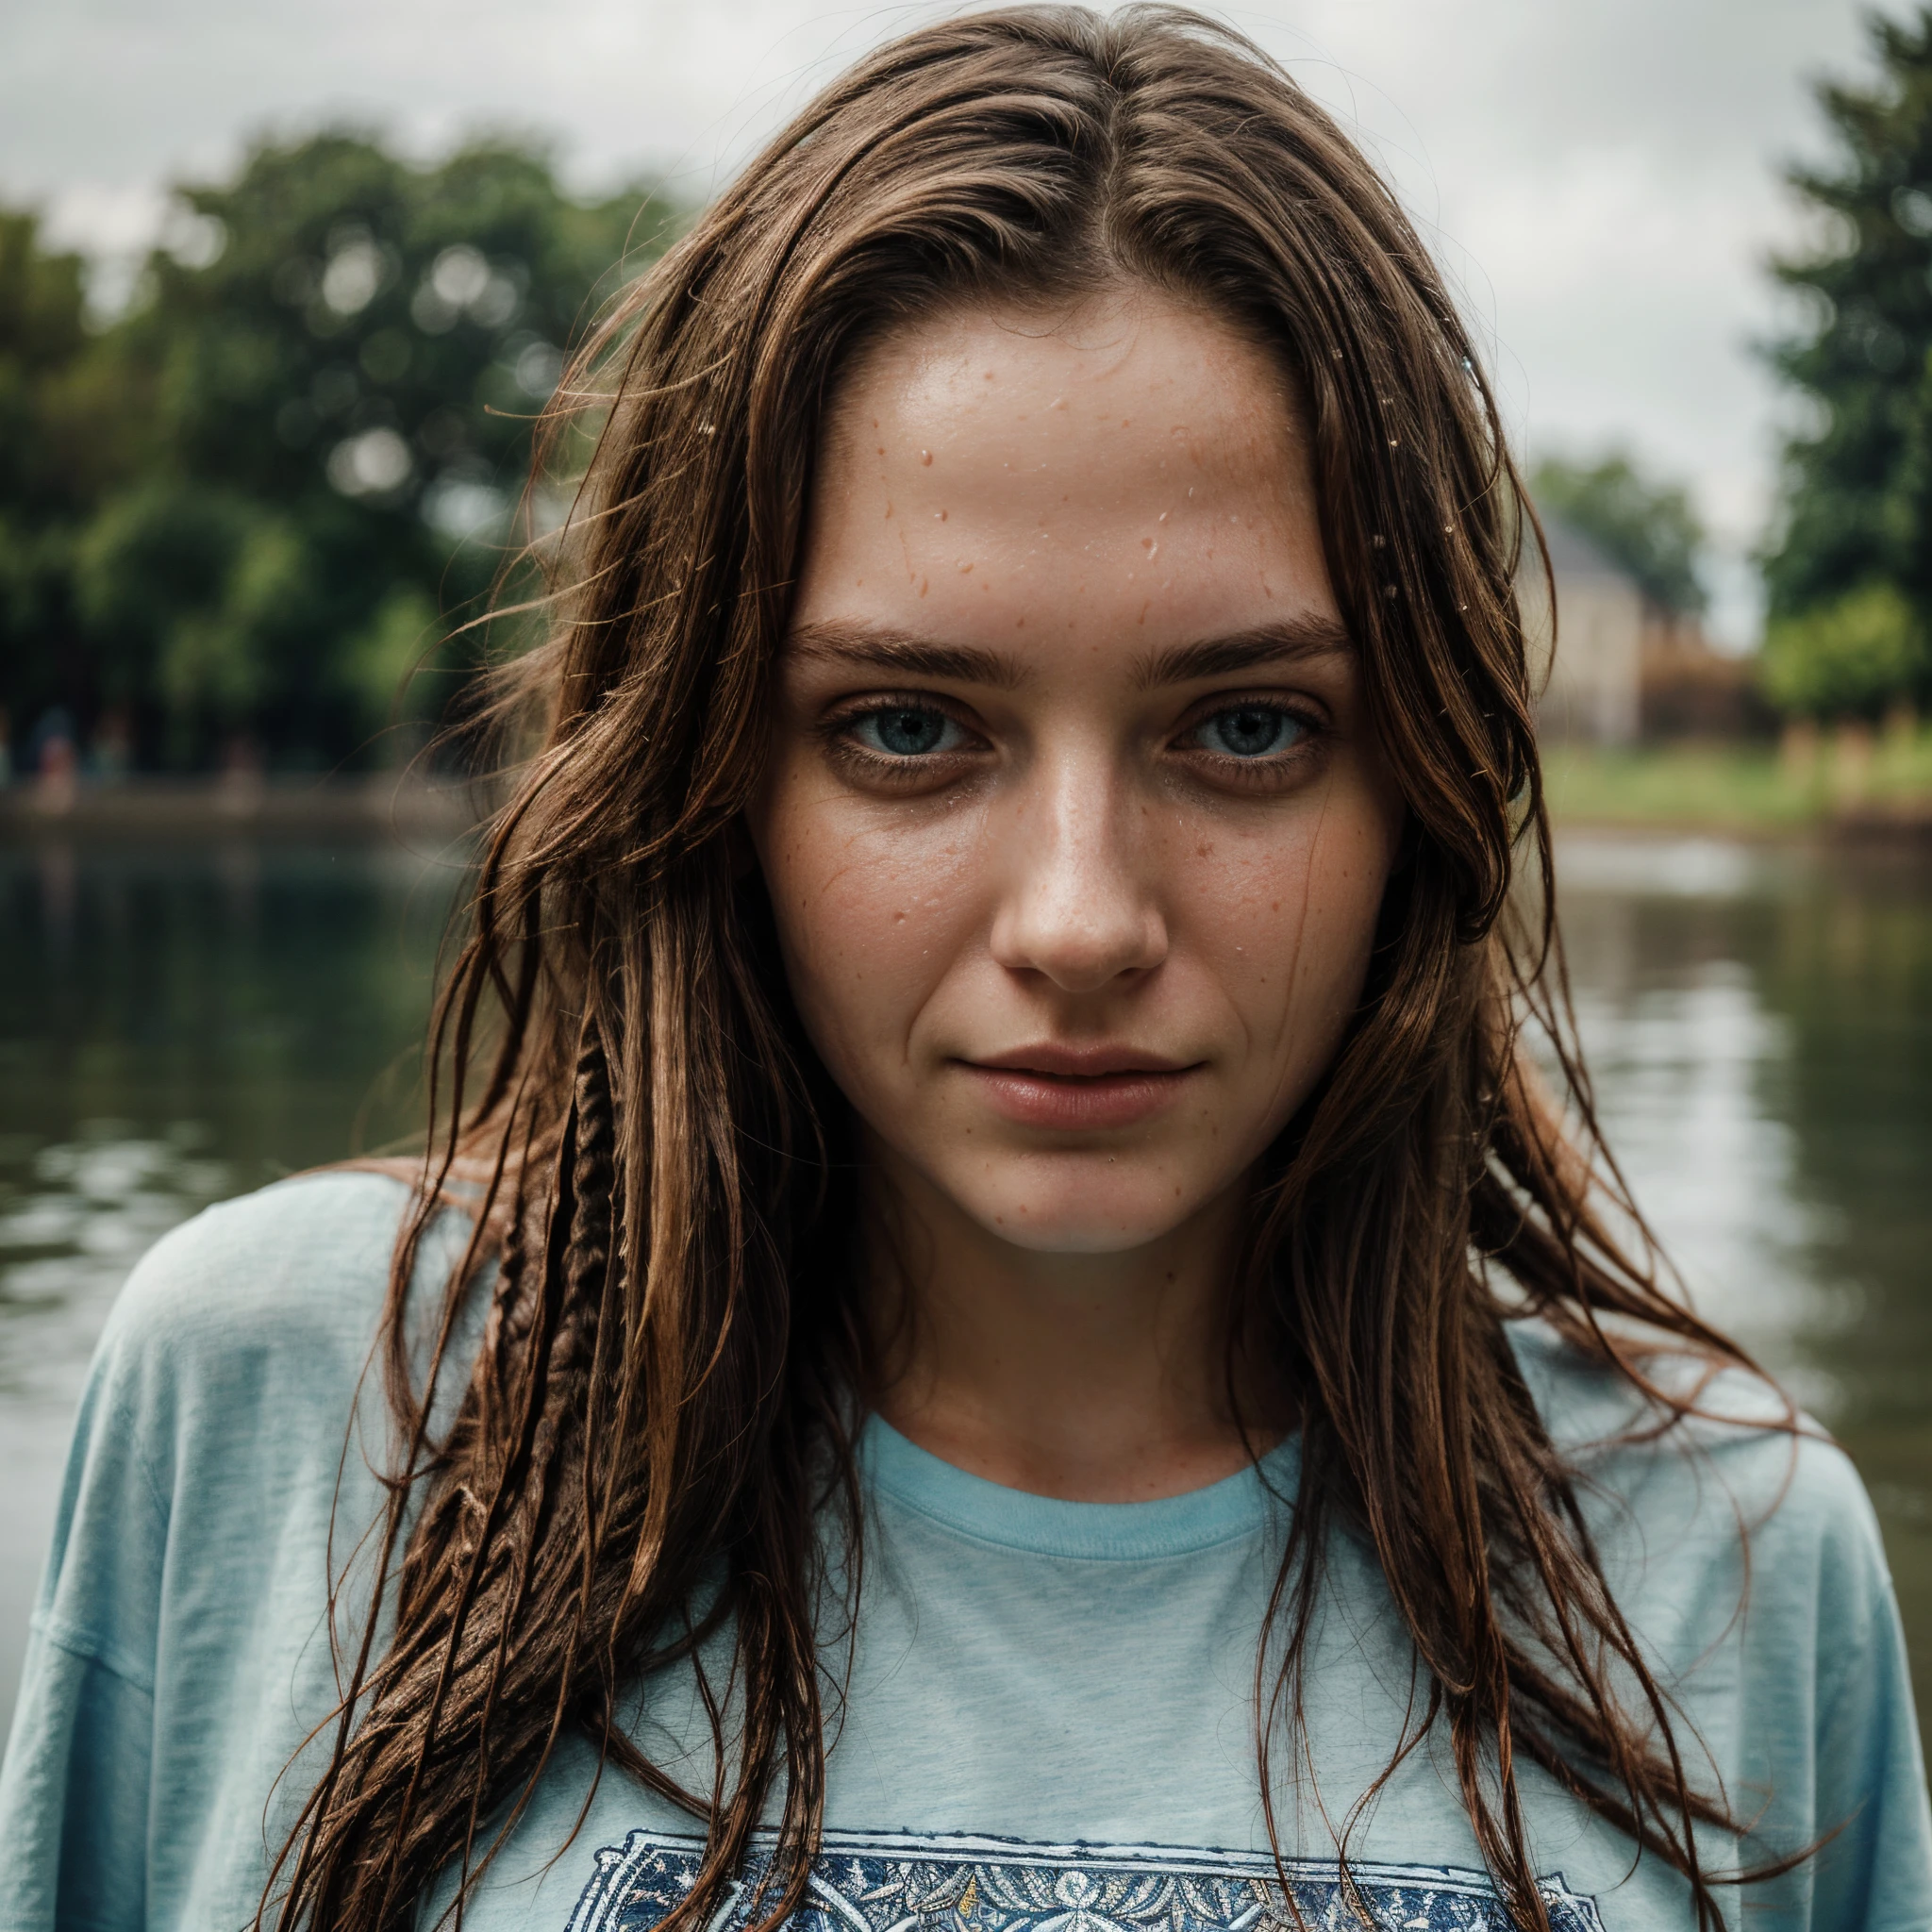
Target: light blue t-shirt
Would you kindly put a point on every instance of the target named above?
(1049, 1724)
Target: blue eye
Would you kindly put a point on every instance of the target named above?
(906, 731)
(1250, 731)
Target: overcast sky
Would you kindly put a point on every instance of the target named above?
(1600, 176)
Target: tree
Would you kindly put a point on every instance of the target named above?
(328, 384)
(1857, 508)
(1647, 526)
(1844, 658)
(60, 444)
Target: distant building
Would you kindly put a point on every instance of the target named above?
(1594, 690)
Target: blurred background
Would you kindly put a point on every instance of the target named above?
(281, 289)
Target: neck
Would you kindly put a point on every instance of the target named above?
(1093, 1377)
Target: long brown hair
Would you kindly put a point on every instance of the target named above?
(659, 1421)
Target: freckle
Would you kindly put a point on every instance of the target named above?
(923, 587)
(926, 458)
(1276, 907)
(938, 516)
(882, 449)
(1020, 624)
(989, 376)
(889, 510)
(965, 569)
(1150, 546)
(1203, 851)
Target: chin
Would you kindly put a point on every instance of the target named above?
(1109, 1214)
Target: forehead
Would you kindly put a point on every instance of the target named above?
(1132, 469)
(1078, 406)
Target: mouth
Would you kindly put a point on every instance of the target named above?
(1076, 1088)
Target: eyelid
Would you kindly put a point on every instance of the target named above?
(836, 725)
(1304, 711)
(843, 710)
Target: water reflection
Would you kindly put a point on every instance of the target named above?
(176, 1027)
(1759, 1024)
(75, 1217)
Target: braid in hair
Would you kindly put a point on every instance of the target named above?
(486, 1553)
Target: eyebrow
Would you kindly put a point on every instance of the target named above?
(1306, 635)
(914, 657)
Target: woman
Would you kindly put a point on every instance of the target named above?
(1000, 1335)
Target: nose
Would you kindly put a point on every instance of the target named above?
(1077, 908)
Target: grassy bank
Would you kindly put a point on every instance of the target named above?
(1850, 781)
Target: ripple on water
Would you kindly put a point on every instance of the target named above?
(75, 1217)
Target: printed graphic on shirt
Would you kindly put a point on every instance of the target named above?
(898, 1882)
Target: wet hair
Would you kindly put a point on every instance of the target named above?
(655, 1447)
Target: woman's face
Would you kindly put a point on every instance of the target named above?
(1073, 826)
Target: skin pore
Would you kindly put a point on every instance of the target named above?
(1075, 836)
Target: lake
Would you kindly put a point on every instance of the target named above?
(178, 1024)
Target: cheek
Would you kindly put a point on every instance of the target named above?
(1289, 927)
(871, 915)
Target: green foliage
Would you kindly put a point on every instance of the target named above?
(1649, 528)
(1858, 477)
(58, 437)
(252, 503)
(1851, 655)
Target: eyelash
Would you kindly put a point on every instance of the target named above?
(1260, 772)
(892, 767)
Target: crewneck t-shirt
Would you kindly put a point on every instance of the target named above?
(1049, 1720)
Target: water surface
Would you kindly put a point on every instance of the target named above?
(181, 1024)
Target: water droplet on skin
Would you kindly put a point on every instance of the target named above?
(938, 516)
(965, 569)
(1162, 517)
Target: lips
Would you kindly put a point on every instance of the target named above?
(1076, 1088)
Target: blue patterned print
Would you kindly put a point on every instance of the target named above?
(900, 1882)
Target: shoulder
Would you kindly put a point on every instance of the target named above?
(270, 1302)
(300, 1264)
(1745, 1468)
